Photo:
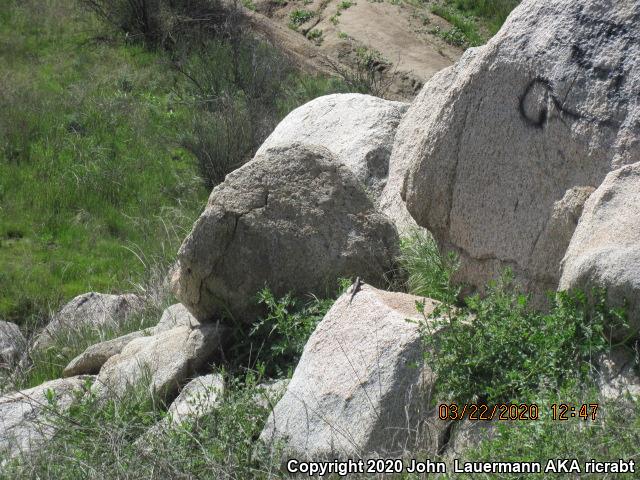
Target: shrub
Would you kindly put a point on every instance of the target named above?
(315, 35)
(464, 31)
(494, 11)
(166, 23)
(613, 435)
(282, 334)
(499, 349)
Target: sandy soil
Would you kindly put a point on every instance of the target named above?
(399, 32)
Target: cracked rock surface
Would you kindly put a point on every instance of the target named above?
(496, 143)
(295, 219)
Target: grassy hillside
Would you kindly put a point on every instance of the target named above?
(106, 151)
(91, 178)
(473, 21)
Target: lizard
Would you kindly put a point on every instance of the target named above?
(355, 288)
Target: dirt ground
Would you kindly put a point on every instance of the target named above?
(397, 33)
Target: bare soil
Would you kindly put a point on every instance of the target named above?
(399, 32)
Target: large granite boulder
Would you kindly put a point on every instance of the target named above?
(90, 310)
(605, 248)
(12, 344)
(165, 361)
(496, 143)
(294, 219)
(360, 388)
(26, 416)
(358, 129)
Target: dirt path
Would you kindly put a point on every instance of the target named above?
(399, 34)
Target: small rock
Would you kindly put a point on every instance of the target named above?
(175, 316)
(93, 358)
(12, 344)
(24, 422)
(619, 374)
(198, 398)
(165, 360)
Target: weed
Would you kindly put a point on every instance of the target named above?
(494, 12)
(284, 331)
(316, 36)
(613, 435)
(345, 4)
(298, 17)
(428, 271)
(124, 439)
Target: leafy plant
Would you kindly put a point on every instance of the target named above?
(499, 349)
(613, 435)
(284, 331)
(495, 12)
(316, 36)
(345, 4)
(464, 31)
(298, 17)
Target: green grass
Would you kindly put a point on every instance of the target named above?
(473, 21)
(428, 272)
(464, 31)
(492, 12)
(108, 150)
(90, 175)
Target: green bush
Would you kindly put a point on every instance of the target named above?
(498, 349)
(494, 11)
(613, 435)
(282, 334)
(464, 31)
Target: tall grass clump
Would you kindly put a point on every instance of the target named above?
(428, 271)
